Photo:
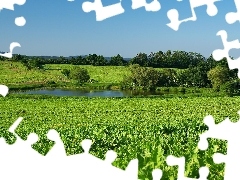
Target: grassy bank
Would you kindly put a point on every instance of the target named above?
(17, 77)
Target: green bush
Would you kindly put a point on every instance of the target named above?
(141, 78)
(127, 83)
(66, 72)
(165, 89)
(51, 82)
(231, 87)
(32, 64)
(81, 75)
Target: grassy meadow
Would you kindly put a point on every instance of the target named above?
(15, 73)
(16, 76)
(149, 129)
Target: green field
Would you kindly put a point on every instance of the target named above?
(17, 73)
(149, 129)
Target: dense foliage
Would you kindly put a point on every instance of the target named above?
(149, 129)
(145, 78)
(198, 71)
(81, 75)
(169, 59)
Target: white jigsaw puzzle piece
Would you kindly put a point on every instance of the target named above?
(180, 162)
(157, 174)
(58, 149)
(92, 164)
(21, 145)
(232, 158)
(219, 54)
(153, 6)
(173, 14)
(232, 17)
(19, 156)
(21, 159)
(4, 90)
(12, 46)
(9, 4)
(102, 12)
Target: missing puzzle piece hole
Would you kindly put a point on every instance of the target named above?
(32, 138)
(203, 144)
(87, 7)
(173, 16)
(157, 174)
(209, 121)
(212, 10)
(173, 161)
(231, 18)
(4, 90)
(20, 21)
(204, 172)
(86, 145)
(219, 158)
(110, 156)
(53, 135)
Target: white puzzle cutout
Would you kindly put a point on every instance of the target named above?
(232, 158)
(4, 90)
(232, 17)
(173, 14)
(219, 54)
(153, 6)
(10, 53)
(19, 21)
(102, 12)
(9, 4)
(180, 162)
(22, 159)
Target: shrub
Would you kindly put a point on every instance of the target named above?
(66, 72)
(218, 76)
(231, 87)
(51, 82)
(127, 83)
(142, 77)
(79, 74)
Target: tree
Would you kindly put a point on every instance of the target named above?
(101, 61)
(79, 74)
(141, 59)
(218, 76)
(143, 77)
(96, 60)
(195, 76)
(34, 63)
(116, 60)
(168, 77)
(156, 59)
(231, 87)
(17, 58)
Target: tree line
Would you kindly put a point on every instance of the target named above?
(216, 76)
(160, 59)
(198, 71)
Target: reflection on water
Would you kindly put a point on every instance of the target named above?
(87, 93)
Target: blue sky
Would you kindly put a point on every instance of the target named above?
(62, 28)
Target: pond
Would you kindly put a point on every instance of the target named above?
(88, 93)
